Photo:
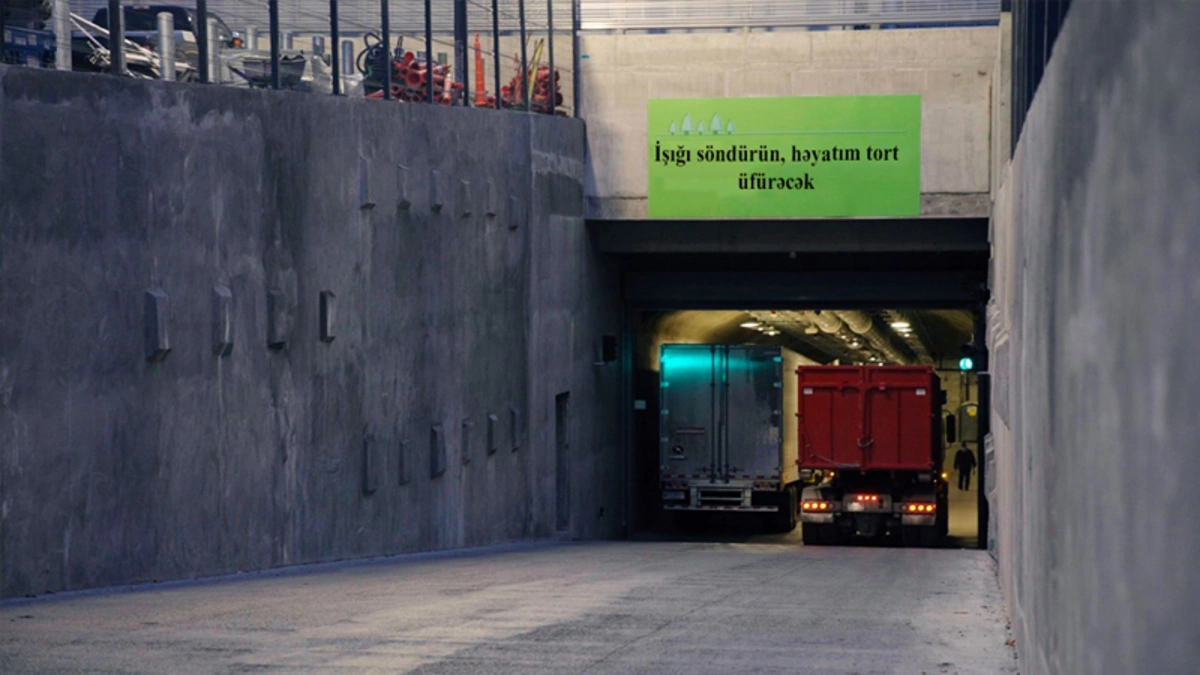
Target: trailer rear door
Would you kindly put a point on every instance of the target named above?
(829, 416)
(869, 418)
(689, 410)
(753, 411)
(901, 403)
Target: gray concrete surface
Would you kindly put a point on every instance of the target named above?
(114, 469)
(1093, 336)
(951, 68)
(770, 606)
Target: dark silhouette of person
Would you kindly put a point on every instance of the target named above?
(964, 463)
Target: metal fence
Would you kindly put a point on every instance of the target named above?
(1035, 27)
(516, 54)
(668, 15)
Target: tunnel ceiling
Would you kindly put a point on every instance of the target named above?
(879, 336)
(828, 336)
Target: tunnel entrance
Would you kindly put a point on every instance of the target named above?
(810, 295)
(686, 416)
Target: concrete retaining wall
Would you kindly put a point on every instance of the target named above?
(950, 68)
(1093, 332)
(242, 208)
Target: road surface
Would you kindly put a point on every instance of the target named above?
(764, 606)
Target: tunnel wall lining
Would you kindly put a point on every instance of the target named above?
(1093, 329)
(115, 469)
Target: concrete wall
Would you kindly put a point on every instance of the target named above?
(115, 469)
(1093, 331)
(950, 68)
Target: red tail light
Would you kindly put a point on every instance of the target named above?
(920, 508)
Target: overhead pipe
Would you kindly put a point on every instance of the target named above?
(826, 321)
(861, 324)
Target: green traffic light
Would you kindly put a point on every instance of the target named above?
(966, 363)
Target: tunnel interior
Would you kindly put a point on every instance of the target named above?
(819, 336)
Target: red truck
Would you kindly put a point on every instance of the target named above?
(870, 445)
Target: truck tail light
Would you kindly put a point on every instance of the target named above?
(815, 506)
(866, 498)
(920, 508)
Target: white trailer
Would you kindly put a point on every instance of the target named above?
(727, 429)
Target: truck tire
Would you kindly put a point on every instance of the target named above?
(785, 520)
(810, 534)
(909, 537)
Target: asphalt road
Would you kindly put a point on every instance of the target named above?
(767, 605)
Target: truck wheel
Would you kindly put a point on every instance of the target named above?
(810, 533)
(831, 535)
(786, 518)
(909, 537)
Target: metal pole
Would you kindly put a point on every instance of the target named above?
(460, 49)
(983, 383)
(251, 38)
(273, 14)
(116, 37)
(335, 53)
(347, 57)
(62, 34)
(386, 31)
(575, 58)
(496, 48)
(166, 46)
(214, 52)
(201, 29)
(429, 50)
(552, 83)
(524, 56)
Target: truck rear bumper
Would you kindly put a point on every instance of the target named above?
(820, 518)
(918, 521)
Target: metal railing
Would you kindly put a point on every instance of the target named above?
(617, 15)
(1036, 24)
(515, 54)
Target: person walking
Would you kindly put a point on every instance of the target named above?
(964, 463)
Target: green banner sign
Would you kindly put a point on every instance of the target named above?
(797, 157)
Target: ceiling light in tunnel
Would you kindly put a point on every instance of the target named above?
(900, 324)
(772, 332)
(751, 324)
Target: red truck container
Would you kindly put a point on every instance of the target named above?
(871, 445)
